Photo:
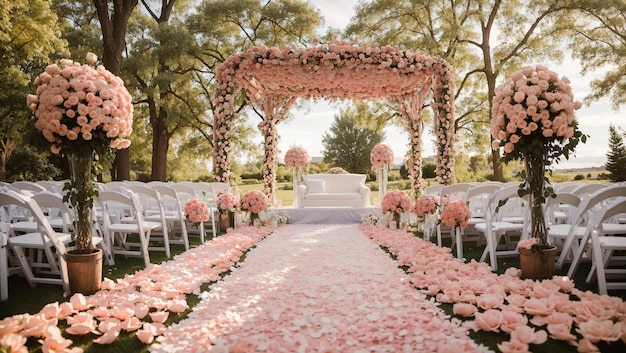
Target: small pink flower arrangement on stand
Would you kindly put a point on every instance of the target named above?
(227, 205)
(381, 157)
(425, 208)
(424, 205)
(456, 214)
(254, 202)
(297, 159)
(196, 212)
(396, 202)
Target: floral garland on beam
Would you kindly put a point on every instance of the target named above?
(337, 70)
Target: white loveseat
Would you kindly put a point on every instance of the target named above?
(333, 190)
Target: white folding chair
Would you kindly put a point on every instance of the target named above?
(450, 193)
(604, 244)
(153, 212)
(578, 229)
(494, 228)
(115, 206)
(45, 240)
(174, 214)
(477, 199)
(186, 193)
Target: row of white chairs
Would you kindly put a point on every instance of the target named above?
(132, 219)
(579, 218)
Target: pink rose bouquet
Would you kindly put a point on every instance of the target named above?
(226, 202)
(196, 211)
(456, 213)
(381, 155)
(254, 201)
(396, 201)
(80, 109)
(425, 204)
(533, 119)
(297, 157)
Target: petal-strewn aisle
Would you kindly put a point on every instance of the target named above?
(316, 288)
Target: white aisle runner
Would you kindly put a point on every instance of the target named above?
(316, 288)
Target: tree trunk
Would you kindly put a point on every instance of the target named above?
(113, 43)
(160, 143)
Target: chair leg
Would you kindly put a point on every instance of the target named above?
(4, 268)
(598, 261)
(24, 264)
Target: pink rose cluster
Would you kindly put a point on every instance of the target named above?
(396, 201)
(381, 155)
(196, 211)
(226, 202)
(254, 201)
(534, 104)
(77, 105)
(527, 243)
(297, 157)
(456, 213)
(424, 205)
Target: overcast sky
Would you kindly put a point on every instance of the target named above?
(310, 123)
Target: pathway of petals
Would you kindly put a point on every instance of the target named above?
(529, 311)
(314, 288)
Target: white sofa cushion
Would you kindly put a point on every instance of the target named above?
(339, 190)
(316, 186)
(334, 196)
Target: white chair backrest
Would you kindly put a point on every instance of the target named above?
(185, 192)
(454, 192)
(502, 200)
(563, 202)
(584, 189)
(170, 198)
(220, 187)
(434, 190)
(53, 203)
(27, 186)
(11, 197)
(122, 200)
(590, 203)
(608, 211)
(478, 198)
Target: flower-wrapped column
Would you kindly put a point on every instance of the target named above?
(381, 157)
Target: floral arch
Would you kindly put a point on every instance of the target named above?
(273, 79)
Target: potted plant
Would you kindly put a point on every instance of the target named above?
(227, 205)
(533, 119)
(83, 112)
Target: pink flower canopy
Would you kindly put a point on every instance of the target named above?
(272, 79)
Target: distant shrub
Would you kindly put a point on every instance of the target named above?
(579, 177)
(249, 181)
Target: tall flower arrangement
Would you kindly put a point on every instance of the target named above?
(297, 159)
(226, 202)
(533, 119)
(83, 112)
(381, 158)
